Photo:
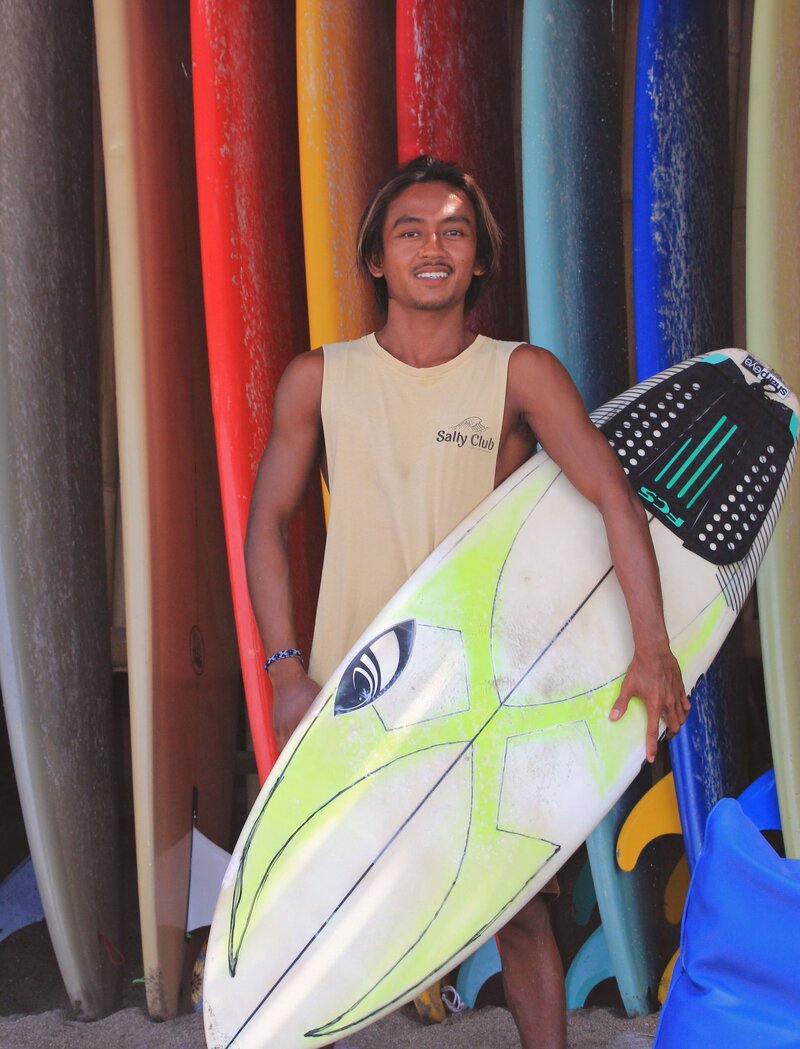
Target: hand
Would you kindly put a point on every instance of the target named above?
(656, 679)
(293, 692)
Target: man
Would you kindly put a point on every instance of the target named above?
(382, 415)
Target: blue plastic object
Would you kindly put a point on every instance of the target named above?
(736, 982)
(20, 903)
(584, 897)
(590, 966)
(627, 905)
(760, 802)
(476, 970)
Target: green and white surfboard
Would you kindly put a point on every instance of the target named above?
(477, 704)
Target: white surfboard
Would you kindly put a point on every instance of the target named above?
(463, 750)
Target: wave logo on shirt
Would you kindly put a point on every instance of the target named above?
(469, 433)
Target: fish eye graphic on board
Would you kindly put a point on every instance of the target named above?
(407, 674)
(375, 668)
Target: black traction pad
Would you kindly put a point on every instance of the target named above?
(706, 452)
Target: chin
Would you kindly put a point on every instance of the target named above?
(432, 307)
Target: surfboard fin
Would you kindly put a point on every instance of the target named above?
(206, 871)
(20, 903)
(430, 1006)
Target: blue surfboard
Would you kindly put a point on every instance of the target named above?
(682, 299)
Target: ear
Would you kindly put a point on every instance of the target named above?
(375, 266)
(479, 269)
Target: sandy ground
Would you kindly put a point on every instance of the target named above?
(33, 1015)
(34, 1008)
(490, 1027)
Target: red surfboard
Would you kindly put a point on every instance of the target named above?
(455, 100)
(245, 97)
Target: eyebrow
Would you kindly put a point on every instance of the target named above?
(416, 219)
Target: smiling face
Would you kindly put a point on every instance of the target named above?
(429, 247)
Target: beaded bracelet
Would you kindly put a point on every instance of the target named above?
(283, 654)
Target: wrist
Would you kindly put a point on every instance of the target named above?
(288, 668)
(284, 653)
(656, 644)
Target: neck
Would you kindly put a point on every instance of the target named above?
(423, 339)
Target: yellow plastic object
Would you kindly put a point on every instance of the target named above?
(655, 815)
(675, 892)
(663, 986)
(429, 1004)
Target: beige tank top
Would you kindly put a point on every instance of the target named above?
(411, 451)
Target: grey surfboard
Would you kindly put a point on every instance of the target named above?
(55, 667)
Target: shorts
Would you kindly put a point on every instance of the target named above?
(552, 889)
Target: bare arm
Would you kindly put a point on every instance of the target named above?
(545, 395)
(290, 458)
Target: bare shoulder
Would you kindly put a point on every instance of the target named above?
(300, 387)
(305, 367)
(536, 374)
(534, 362)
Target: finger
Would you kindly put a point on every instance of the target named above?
(670, 716)
(652, 745)
(621, 704)
(652, 735)
(681, 710)
(674, 723)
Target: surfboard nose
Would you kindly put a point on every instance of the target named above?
(285, 913)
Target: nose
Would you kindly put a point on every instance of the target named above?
(431, 245)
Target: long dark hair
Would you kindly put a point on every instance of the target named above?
(369, 243)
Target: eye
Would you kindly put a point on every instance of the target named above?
(375, 668)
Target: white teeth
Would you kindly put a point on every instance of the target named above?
(431, 276)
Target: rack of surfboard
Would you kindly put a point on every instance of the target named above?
(233, 146)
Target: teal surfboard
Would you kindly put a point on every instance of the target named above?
(571, 146)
